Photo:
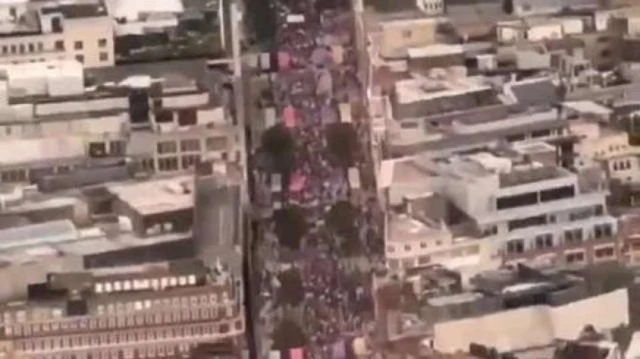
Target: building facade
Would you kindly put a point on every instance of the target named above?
(162, 313)
(44, 31)
(148, 125)
(532, 210)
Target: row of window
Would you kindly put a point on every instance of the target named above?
(143, 284)
(33, 47)
(621, 165)
(24, 175)
(95, 340)
(532, 198)
(571, 237)
(126, 320)
(173, 302)
(217, 143)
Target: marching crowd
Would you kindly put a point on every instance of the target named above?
(310, 83)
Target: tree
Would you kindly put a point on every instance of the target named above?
(342, 140)
(290, 226)
(278, 143)
(288, 335)
(341, 218)
(291, 290)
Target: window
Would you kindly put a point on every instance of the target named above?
(424, 260)
(224, 328)
(575, 257)
(21, 47)
(540, 133)
(147, 164)
(117, 148)
(602, 231)
(527, 222)
(168, 164)
(104, 56)
(97, 149)
(189, 161)
(515, 138)
(102, 43)
(216, 143)
(80, 58)
(406, 34)
(31, 47)
(557, 193)
(77, 45)
(604, 252)
(59, 45)
(13, 176)
(187, 117)
(515, 246)
(190, 145)
(167, 147)
(164, 116)
(518, 200)
(391, 249)
(5, 49)
(407, 247)
(573, 236)
(13, 49)
(40, 46)
(544, 241)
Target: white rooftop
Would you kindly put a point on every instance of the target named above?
(422, 89)
(19, 151)
(156, 196)
(35, 235)
(435, 50)
(131, 10)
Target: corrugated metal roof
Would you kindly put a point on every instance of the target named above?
(38, 234)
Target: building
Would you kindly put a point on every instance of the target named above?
(525, 8)
(390, 35)
(128, 122)
(218, 214)
(43, 31)
(430, 230)
(145, 312)
(528, 206)
(421, 96)
(476, 127)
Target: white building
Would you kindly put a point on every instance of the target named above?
(50, 30)
(52, 124)
(531, 208)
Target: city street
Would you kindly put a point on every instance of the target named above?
(319, 247)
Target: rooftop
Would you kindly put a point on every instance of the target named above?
(156, 196)
(422, 89)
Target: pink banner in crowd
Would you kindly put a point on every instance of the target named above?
(298, 181)
(296, 353)
(284, 60)
(289, 115)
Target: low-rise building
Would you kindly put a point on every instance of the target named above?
(148, 124)
(43, 31)
(156, 311)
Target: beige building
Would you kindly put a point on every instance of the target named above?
(53, 125)
(535, 326)
(163, 311)
(48, 31)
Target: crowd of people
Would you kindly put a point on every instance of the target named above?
(337, 300)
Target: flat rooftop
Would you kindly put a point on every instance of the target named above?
(423, 89)
(156, 196)
(403, 227)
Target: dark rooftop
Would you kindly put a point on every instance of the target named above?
(75, 11)
(541, 93)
